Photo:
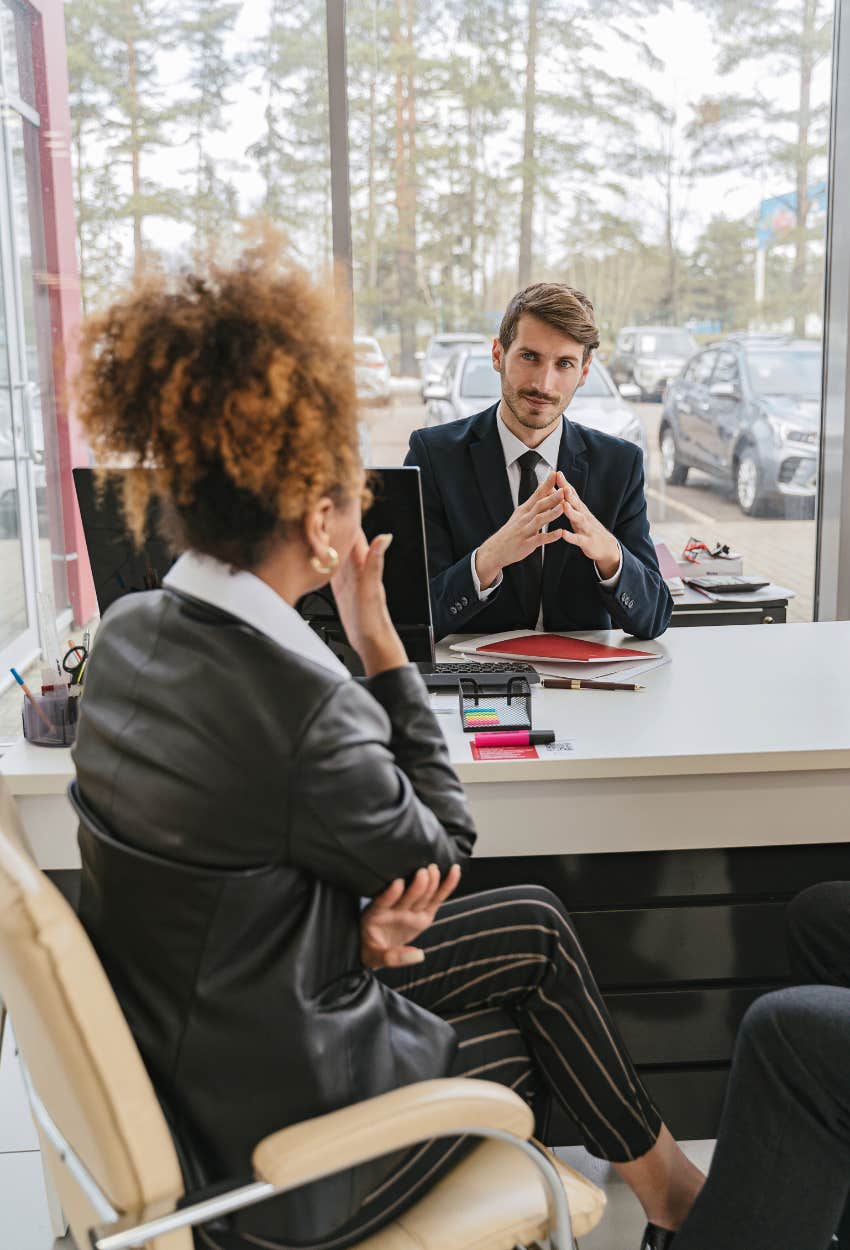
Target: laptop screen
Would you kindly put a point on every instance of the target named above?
(118, 567)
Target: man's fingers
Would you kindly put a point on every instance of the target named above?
(543, 540)
(575, 540)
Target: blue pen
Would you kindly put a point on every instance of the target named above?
(29, 694)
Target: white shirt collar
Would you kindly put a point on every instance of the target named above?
(513, 447)
(247, 597)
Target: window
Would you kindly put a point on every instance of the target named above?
(726, 369)
(700, 371)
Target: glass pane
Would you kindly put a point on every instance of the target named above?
(16, 37)
(36, 367)
(13, 607)
(668, 161)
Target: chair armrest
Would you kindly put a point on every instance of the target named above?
(442, 1108)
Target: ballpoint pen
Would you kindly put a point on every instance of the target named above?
(573, 683)
(48, 724)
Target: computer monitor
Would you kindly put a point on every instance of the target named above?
(119, 568)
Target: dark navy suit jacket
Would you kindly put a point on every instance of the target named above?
(467, 498)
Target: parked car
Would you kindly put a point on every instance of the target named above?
(747, 410)
(9, 527)
(649, 356)
(440, 347)
(371, 371)
(470, 383)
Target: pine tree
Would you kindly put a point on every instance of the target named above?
(202, 31)
(788, 38)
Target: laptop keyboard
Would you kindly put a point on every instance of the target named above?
(445, 676)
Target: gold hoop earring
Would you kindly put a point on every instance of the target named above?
(330, 567)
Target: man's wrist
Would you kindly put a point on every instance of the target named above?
(608, 563)
(486, 568)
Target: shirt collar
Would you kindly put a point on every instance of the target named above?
(247, 597)
(513, 447)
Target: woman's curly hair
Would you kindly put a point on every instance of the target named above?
(236, 386)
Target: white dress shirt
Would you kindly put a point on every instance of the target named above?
(513, 448)
(247, 597)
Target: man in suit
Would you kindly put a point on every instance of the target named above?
(533, 521)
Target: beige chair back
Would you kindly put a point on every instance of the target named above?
(82, 1061)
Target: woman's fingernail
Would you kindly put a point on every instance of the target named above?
(415, 956)
(386, 539)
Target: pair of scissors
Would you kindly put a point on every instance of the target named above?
(74, 662)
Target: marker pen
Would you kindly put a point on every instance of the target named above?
(516, 738)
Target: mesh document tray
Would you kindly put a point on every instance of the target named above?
(506, 706)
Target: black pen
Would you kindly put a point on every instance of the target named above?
(573, 683)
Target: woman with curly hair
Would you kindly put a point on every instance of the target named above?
(239, 794)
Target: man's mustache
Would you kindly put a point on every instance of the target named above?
(549, 399)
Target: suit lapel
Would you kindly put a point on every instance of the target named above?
(488, 463)
(572, 462)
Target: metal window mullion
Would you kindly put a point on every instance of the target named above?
(832, 571)
(339, 152)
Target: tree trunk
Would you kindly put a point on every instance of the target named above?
(371, 223)
(405, 188)
(135, 154)
(526, 211)
(798, 278)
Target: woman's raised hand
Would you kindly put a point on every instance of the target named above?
(359, 592)
(398, 915)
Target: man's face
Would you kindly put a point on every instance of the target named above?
(541, 371)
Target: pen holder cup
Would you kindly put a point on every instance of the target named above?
(494, 707)
(50, 720)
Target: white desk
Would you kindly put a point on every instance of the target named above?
(743, 740)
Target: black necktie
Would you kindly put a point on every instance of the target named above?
(532, 565)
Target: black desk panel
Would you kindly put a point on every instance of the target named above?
(681, 943)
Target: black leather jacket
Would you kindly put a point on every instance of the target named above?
(236, 802)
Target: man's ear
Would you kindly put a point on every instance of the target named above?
(585, 369)
(498, 355)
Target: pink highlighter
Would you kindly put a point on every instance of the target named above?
(515, 738)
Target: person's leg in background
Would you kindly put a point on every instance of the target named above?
(515, 950)
(817, 927)
(780, 1174)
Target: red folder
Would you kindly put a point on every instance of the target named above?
(555, 647)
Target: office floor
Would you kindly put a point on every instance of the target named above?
(25, 1221)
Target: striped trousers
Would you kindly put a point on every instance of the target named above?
(506, 970)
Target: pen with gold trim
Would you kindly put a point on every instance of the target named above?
(574, 683)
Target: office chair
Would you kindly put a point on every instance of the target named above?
(112, 1160)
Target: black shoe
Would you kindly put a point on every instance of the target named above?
(655, 1238)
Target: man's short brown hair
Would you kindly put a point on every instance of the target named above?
(558, 305)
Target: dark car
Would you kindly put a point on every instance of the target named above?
(747, 410)
(649, 357)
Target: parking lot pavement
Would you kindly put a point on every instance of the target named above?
(783, 551)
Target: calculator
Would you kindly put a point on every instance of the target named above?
(725, 582)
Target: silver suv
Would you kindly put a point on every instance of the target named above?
(649, 357)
